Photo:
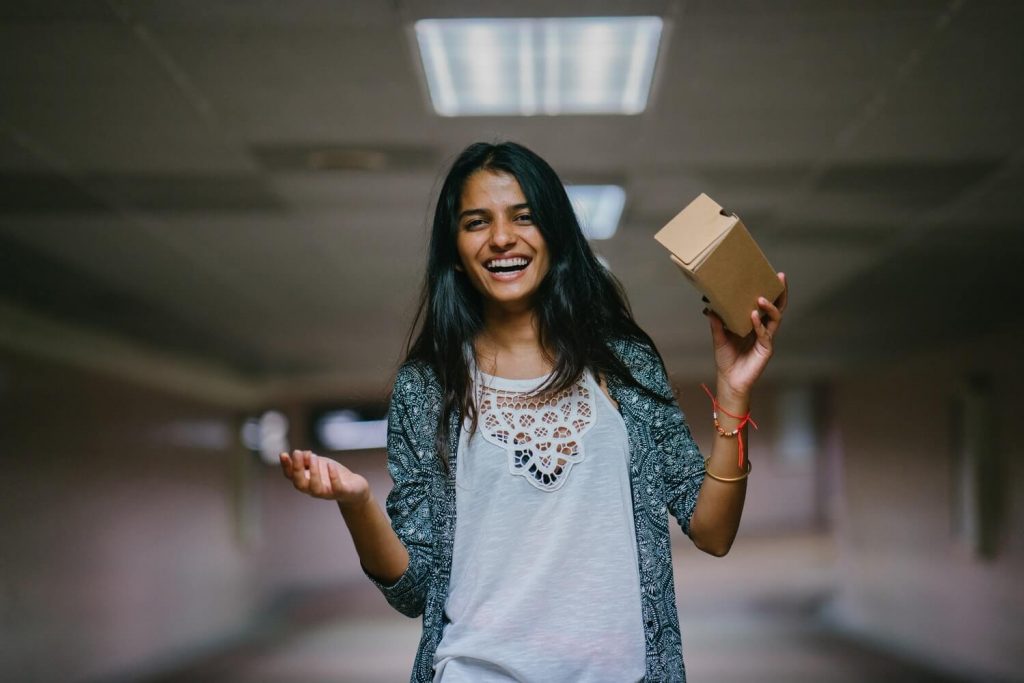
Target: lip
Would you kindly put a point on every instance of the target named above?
(508, 277)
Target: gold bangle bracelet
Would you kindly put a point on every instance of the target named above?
(727, 479)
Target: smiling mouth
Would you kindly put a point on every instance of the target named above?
(507, 265)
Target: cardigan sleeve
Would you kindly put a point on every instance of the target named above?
(410, 452)
(681, 461)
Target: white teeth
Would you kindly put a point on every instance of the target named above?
(507, 262)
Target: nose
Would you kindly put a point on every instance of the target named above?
(503, 234)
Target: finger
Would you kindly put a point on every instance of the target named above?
(774, 315)
(316, 486)
(309, 464)
(764, 336)
(286, 466)
(717, 327)
(768, 307)
(334, 472)
(300, 475)
(783, 298)
(320, 472)
(325, 476)
(298, 469)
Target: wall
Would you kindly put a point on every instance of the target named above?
(787, 492)
(909, 579)
(136, 532)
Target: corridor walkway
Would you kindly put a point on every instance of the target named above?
(753, 616)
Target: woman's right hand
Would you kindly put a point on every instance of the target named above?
(322, 477)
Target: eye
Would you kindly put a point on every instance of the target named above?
(524, 218)
(474, 223)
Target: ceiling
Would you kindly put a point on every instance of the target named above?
(159, 216)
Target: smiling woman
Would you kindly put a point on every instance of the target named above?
(558, 568)
(500, 247)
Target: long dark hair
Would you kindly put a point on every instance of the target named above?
(580, 305)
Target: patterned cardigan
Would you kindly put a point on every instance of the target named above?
(666, 472)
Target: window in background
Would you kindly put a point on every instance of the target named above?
(349, 430)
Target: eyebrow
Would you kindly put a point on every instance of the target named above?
(514, 207)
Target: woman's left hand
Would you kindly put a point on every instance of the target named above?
(741, 360)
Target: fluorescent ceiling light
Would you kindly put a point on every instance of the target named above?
(598, 208)
(583, 65)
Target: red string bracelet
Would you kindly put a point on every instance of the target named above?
(738, 432)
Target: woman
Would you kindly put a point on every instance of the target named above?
(534, 411)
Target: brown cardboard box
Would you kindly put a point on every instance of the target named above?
(721, 259)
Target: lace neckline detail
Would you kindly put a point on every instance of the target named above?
(542, 435)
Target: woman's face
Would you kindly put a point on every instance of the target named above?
(500, 247)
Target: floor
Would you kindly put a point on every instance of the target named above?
(754, 615)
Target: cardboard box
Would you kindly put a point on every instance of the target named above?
(717, 254)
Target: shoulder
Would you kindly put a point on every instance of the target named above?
(416, 393)
(415, 400)
(414, 377)
(634, 351)
(644, 363)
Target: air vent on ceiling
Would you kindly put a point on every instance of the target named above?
(328, 157)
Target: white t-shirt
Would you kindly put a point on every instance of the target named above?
(544, 584)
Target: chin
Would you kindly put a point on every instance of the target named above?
(510, 301)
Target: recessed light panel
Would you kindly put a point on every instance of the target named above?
(598, 208)
(523, 67)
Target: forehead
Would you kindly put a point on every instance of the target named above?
(487, 189)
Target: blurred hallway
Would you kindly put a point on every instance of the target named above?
(756, 618)
(142, 543)
(214, 212)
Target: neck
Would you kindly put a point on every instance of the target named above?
(509, 345)
(512, 330)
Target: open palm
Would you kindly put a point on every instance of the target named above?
(322, 477)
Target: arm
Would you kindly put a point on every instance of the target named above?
(380, 550)
(396, 556)
(716, 516)
(411, 449)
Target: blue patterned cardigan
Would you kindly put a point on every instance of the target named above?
(666, 472)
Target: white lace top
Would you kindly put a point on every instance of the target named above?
(543, 436)
(545, 583)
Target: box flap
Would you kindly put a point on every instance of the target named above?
(694, 229)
